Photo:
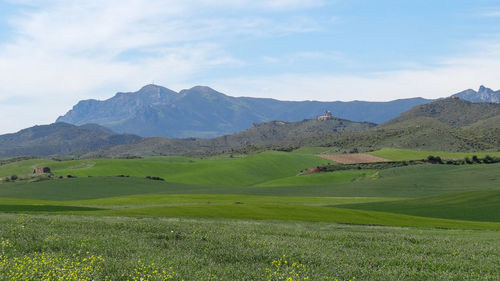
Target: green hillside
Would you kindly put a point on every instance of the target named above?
(471, 205)
(249, 170)
(407, 154)
(60, 139)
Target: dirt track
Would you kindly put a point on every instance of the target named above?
(353, 158)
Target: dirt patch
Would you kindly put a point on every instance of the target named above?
(353, 158)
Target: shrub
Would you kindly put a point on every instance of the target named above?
(155, 178)
(475, 159)
(488, 159)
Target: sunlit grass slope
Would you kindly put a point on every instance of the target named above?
(472, 205)
(407, 154)
(323, 178)
(248, 170)
(411, 181)
(241, 207)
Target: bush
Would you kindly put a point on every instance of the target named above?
(475, 159)
(155, 178)
(467, 160)
(434, 160)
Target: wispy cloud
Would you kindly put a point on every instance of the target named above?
(493, 13)
(64, 50)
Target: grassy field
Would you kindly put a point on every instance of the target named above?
(225, 218)
(407, 154)
(249, 170)
(471, 205)
(120, 248)
(320, 200)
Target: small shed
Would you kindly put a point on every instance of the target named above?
(44, 170)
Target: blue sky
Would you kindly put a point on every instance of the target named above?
(54, 53)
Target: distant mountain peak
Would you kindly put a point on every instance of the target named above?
(484, 94)
(199, 89)
(150, 87)
(483, 89)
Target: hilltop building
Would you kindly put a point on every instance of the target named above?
(328, 115)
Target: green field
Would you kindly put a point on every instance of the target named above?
(407, 154)
(471, 205)
(253, 210)
(249, 170)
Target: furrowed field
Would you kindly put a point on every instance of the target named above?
(251, 218)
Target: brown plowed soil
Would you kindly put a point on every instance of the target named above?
(353, 158)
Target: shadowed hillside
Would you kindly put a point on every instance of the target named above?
(272, 134)
(59, 138)
(452, 111)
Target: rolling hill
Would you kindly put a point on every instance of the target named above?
(272, 134)
(445, 125)
(155, 111)
(453, 112)
(59, 138)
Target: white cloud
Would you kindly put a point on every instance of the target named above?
(62, 51)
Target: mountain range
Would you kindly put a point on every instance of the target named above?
(202, 112)
(444, 125)
(451, 124)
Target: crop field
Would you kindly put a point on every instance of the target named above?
(241, 218)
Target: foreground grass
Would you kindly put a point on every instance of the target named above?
(198, 249)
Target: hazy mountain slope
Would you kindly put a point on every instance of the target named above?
(204, 112)
(275, 133)
(482, 95)
(59, 138)
(451, 111)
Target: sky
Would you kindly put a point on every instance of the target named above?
(54, 53)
